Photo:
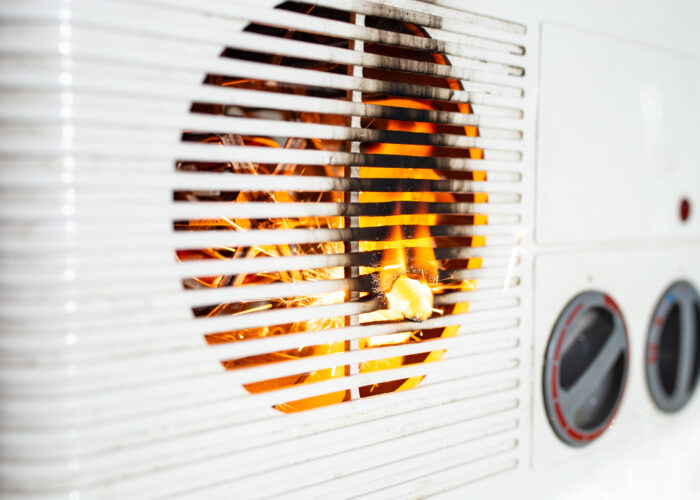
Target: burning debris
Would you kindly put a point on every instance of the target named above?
(411, 298)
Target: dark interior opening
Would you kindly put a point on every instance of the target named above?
(696, 359)
(669, 350)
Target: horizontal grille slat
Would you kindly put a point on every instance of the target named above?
(85, 144)
(493, 116)
(491, 265)
(94, 305)
(498, 212)
(502, 173)
(12, 238)
(246, 182)
(171, 334)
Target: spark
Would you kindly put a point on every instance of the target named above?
(234, 224)
(228, 249)
(254, 309)
(514, 258)
(262, 250)
(646, 408)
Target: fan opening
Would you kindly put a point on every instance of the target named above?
(398, 234)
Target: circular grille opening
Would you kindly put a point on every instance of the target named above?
(401, 212)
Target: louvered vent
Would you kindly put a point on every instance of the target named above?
(347, 185)
(235, 212)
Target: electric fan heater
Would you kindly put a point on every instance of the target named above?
(394, 249)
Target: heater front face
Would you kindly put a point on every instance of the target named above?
(260, 249)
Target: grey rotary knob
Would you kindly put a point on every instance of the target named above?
(673, 347)
(585, 368)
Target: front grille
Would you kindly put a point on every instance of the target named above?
(219, 211)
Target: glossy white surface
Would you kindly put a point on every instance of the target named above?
(617, 140)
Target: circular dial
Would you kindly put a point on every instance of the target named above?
(585, 368)
(673, 347)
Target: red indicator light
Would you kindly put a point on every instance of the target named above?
(685, 209)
